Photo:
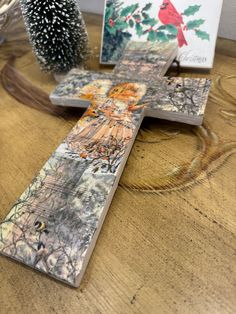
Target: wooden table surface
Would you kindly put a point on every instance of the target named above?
(168, 242)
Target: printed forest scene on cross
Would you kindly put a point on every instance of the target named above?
(54, 225)
(193, 24)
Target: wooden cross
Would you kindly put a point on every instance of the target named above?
(54, 225)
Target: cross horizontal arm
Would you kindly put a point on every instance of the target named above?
(171, 98)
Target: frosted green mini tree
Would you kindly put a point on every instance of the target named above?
(57, 33)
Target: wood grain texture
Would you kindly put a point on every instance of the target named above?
(168, 242)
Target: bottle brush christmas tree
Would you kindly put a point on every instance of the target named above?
(57, 33)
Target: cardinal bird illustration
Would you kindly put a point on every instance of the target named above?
(169, 15)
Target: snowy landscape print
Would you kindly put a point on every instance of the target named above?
(193, 24)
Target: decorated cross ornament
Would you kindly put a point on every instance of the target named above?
(54, 225)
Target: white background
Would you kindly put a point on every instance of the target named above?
(227, 24)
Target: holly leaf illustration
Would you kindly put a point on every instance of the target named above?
(161, 36)
(137, 16)
(111, 30)
(139, 29)
(145, 15)
(149, 21)
(191, 10)
(147, 7)
(171, 36)
(171, 29)
(109, 13)
(152, 35)
(120, 24)
(131, 23)
(202, 34)
(162, 27)
(194, 24)
(129, 9)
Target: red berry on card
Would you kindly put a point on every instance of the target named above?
(111, 23)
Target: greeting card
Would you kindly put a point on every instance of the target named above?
(192, 23)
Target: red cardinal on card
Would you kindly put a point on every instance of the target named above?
(169, 15)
